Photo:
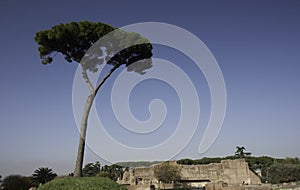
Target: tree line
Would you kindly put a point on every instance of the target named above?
(43, 175)
(114, 171)
(273, 170)
(18, 182)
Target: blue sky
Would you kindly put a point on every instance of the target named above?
(256, 44)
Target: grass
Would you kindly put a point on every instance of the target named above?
(83, 183)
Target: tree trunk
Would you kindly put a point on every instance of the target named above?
(84, 121)
(83, 129)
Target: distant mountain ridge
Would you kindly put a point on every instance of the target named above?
(138, 164)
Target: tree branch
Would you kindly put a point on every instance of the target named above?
(106, 77)
(87, 80)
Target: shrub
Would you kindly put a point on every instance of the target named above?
(83, 183)
(279, 173)
(167, 172)
(16, 182)
(43, 175)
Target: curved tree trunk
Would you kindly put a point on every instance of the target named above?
(85, 116)
(83, 128)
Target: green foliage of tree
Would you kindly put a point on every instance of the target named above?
(83, 183)
(113, 172)
(206, 160)
(73, 41)
(240, 152)
(167, 172)
(201, 161)
(260, 163)
(104, 174)
(91, 169)
(43, 175)
(288, 160)
(186, 161)
(16, 182)
(280, 172)
(266, 164)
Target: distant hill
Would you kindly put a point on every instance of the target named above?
(137, 164)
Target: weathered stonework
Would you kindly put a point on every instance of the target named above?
(229, 172)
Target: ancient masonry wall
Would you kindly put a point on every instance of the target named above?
(231, 172)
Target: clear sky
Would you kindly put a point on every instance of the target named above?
(256, 44)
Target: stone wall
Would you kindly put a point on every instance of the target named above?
(231, 172)
(228, 171)
(142, 175)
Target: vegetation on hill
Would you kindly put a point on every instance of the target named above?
(280, 172)
(273, 170)
(91, 169)
(43, 175)
(97, 177)
(114, 172)
(16, 182)
(84, 183)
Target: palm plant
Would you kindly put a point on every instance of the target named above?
(43, 175)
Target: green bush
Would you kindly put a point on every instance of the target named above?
(16, 182)
(279, 173)
(83, 183)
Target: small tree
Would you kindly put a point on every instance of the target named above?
(73, 41)
(43, 175)
(91, 169)
(167, 172)
(240, 152)
(16, 182)
(114, 172)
